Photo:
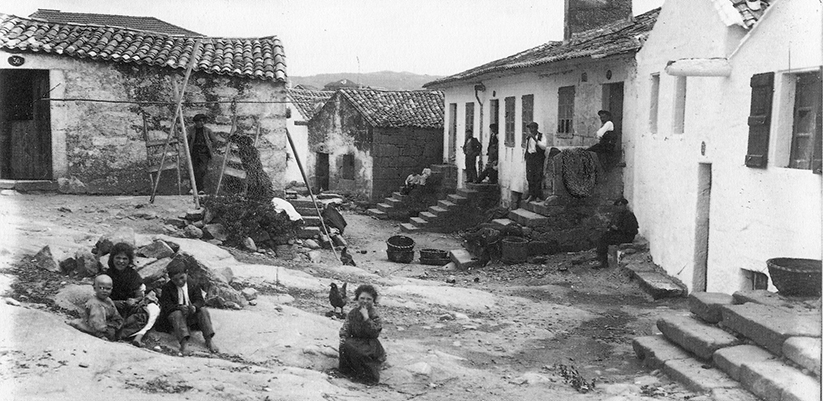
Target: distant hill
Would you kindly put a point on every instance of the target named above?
(380, 80)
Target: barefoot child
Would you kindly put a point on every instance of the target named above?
(182, 309)
(100, 317)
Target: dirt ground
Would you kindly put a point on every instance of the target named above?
(502, 332)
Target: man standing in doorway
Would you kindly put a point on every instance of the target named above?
(491, 164)
(622, 229)
(201, 146)
(535, 155)
(471, 149)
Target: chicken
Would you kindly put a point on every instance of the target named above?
(337, 297)
(346, 258)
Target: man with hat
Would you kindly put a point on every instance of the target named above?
(607, 138)
(201, 147)
(622, 229)
(182, 308)
(535, 155)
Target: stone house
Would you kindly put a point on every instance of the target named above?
(75, 99)
(561, 85)
(303, 105)
(726, 156)
(365, 142)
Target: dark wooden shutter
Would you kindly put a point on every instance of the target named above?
(817, 154)
(760, 119)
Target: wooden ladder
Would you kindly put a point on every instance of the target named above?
(154, 156)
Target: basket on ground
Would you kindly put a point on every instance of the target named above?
(400, 256)
(434, 257)
(797, 277)
(400, 243)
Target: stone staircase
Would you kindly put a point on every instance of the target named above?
(312, 224)
(440, 217)
(747, 346)
(441, 182)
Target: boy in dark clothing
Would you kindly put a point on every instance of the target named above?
(622, 229)
(471, 149)
(182, 309)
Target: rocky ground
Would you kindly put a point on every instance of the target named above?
(503, 332)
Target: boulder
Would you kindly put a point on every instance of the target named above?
(249, 293)
(420, 368)
(71, 185)
(158, 249)
(208, 216)
(248, 243)
(216, 231)
(46, 259)
(74, 296)
(195, 214)
(227, 273)
(86, 263)
(154, 274)
(175, 222)
(199, 224)
(315, 256)
(311, 244)
(123, 234)
(219, 293)
(193, 232)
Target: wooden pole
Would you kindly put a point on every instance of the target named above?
(186, 149)
(311, 194)
(178, 111)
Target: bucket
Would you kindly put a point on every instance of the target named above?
(514, 250)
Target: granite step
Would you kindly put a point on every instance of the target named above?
(393, 202)
(408, 227)
(312, 221)
(655, 351)
(527, 218)
(774, 380)
(707, 305)
(384, 207)
(700, 339)
(731, 359)
(543, 209)
(307, 211)
(308, 232)
(448, 205)
(463, 260)
(805, 352)
(697, 376)
(457, 199)
(501, 224)
(418, 222)
(398, 196)
(466, 193)
(438, 211)
(377, 213)
(428, 216)
(770, 326)
(486, 188)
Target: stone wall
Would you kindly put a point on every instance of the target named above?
(399, 152)
(102, 144)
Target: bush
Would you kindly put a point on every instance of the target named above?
(243, 218)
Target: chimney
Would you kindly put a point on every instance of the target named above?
(582, 15)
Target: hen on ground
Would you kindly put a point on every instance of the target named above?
(337, 298)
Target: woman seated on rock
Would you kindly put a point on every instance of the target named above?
(139, 310)
(361, 353)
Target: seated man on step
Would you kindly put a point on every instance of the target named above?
(622, 229)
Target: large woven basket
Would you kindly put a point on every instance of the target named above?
(434, 257)
(400, 243)
(403, 256)
(796, 277)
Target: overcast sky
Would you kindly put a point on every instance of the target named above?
(435, 37)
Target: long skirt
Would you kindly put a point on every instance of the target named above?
(361, 358)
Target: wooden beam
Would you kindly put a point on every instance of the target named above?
(699, 67)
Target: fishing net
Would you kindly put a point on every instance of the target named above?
(579, 171)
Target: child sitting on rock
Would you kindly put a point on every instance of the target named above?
(182, 308)
(100, 317)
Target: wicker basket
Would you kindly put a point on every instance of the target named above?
(402, 256)
(434, 257)
(797, 277)
(400, 243)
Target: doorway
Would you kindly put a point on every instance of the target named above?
(25, 125)
(613, 102)
(321, 171)
(452, 133)
(701, 235)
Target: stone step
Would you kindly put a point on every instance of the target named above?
(398, 196)
(419, 222)
(463, 259)
(377, 213)
(35, 185)
(774, 380)
(544, 210)
(501, 224)
(658, 285)
(696, 376)
(457, 199)
(384, 207)
(770, 326)
(805, 352)
(730, 359)
(393, 202)
(307, 211)
(306, 203)
(438, 211)
(428, 216)
(486, 188)
(408, 227)
(308, 232)
(527, 218)
(698, 338)
(312, 221)
(707, 305)
(448, 205)
(467, 193)
(654, 351)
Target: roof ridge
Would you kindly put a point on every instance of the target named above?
(612, 27)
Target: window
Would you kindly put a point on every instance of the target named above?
(679, 107)
(806, 135)
(654, 98)
(509, 120)
(565, 110)
(452, 131)
(348, 167)
(470, 117)
(527, 115)
(494, 111)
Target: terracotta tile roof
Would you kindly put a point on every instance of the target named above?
(260, 58)
(309, 101)
(613, 39)
(150, 24)
(392, 109)
(749, 15)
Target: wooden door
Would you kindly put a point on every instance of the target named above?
(321, 171)
(26, 125)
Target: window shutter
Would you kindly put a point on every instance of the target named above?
(760, 119)
(817, 154)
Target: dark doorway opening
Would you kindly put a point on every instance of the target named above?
(321, 171)
(25, 125)
(613, 102)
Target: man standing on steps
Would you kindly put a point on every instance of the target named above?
(622, 229)
(491, 164)
(471, 149)
(535, 155)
